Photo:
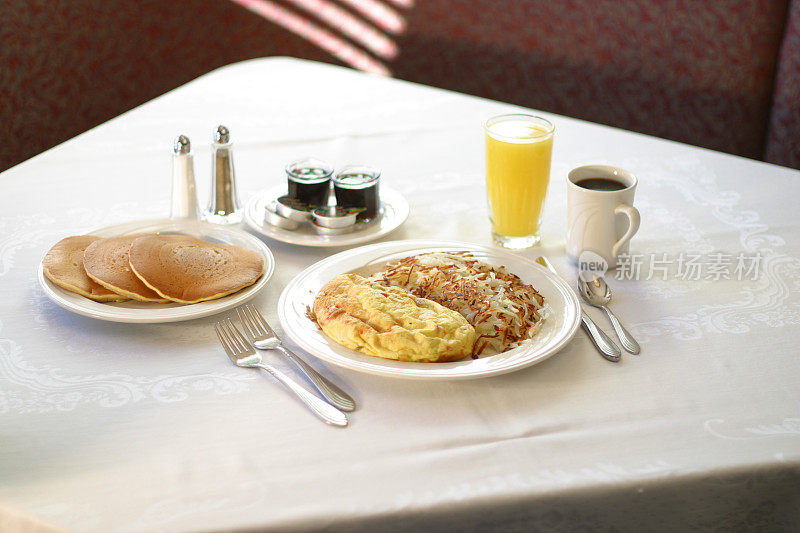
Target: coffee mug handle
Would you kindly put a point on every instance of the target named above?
(633, 218)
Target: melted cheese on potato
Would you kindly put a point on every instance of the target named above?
(390, 322)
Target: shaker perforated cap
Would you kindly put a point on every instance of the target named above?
(222, 135)
(182, 145)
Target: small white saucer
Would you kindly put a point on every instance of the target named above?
(394, 211)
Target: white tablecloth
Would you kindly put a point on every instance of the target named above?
(119, 427)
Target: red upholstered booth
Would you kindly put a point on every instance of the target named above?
(723, 75)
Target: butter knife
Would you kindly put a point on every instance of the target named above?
(602, 342)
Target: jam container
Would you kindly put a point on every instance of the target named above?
(357, 187)
(334, 216)
(272, 218)
(322, 230)
(293, 209)
(309, 180)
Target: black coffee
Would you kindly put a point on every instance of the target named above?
(600, 184)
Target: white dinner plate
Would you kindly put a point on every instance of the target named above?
(394, 211)
(298, 296)
(148, 312)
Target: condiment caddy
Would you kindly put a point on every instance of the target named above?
(331, 203)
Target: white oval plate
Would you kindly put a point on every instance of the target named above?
(394, 211)
(559, 327)
(146, 312)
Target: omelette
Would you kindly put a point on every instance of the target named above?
(390, 322)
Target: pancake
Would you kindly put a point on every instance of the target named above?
(106, 262)
(390, 322)
(188, 270)
(63, 265)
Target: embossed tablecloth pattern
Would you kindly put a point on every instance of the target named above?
(118, 427)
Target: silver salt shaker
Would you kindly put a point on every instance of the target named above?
(224, 206)
(184, 191)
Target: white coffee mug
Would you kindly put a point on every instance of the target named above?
(600, 219)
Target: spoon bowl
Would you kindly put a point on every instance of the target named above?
(597, 293)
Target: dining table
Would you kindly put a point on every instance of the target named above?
(134, 427)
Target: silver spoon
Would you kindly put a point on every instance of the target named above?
(597, 293)
(602, 342)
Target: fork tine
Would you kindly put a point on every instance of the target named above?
(246, 323)
(231, 338)
(245, 344)
(223, 341)
(261, 320)
(257, 323)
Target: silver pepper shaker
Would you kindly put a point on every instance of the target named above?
(223, 202)
(184, 191)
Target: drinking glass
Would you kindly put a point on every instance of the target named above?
(519, 148)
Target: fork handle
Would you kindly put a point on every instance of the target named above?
(330, 391)
(324, 410)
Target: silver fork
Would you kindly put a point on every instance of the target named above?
(263, 338)
(242, 354)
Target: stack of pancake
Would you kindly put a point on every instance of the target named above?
(150, 268)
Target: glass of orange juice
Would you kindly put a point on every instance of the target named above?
(518, 153)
